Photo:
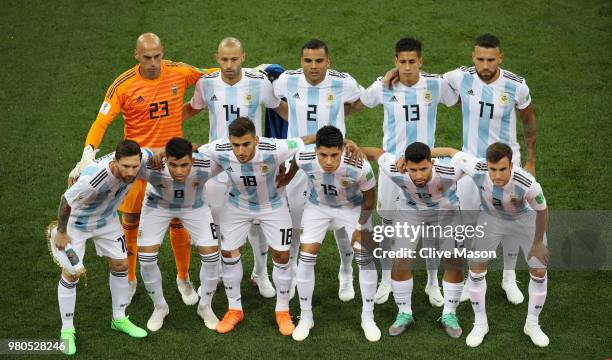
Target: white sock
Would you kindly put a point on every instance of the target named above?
(151, 276)
(386, 263)
(402, 293)
(510, 248)
(345, 250)
(537, 298)
(509, 276)
(232, 276)
(209, 276)
(294, 250)
(432, 264)
(478, 292)
(368, 277)
(452, 293)
(119, 288)
(281, 275)
(305, 277)
(66, 297)
(259, 245)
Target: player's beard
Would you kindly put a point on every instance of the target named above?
(488, 75)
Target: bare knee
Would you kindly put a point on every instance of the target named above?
(310, 248)
(280, 257)
(540, 273)
(117, 265)
(68, 276)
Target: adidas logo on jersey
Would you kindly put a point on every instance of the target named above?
(140, 100)
(213, 98)
(393, 99)
(470, 92)
(296, 96)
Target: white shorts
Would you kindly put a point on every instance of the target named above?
(154, 223)
(432, 227)
(215, 193)
(109, 240)
(388, 192)
(519, 231)
(318, 218)
(275, 224)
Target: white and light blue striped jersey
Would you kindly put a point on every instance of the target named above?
(341, 188)
(488, 110)
(410, 111)
(507, 202)
(166, 193)
(313, 106)
(440, 193)
(97, 194)
(226, 102)
(253, 184)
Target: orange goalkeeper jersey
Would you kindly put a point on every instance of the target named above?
(152, 109)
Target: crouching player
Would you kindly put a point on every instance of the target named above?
(427, 197)
(514, 208)
(252, 165)
(341, 197)
(176, 191)
(88, 210)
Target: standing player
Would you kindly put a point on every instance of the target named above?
(427, 196)
(514, 209)
(150, 97)
(316, 96)
(88, 210)
(252, 164)
(489, 96)
(229, 94)
(177, 191)
(409, 115)
(341, 196)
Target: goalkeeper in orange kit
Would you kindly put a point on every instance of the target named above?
(150, 97)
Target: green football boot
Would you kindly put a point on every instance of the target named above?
(402, 322)
(451, 325)
(69, 339)
(126, 326)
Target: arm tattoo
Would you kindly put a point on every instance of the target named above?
(63, 214)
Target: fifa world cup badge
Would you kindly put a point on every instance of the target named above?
(504, 98)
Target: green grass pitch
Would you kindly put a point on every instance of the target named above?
(61, 56)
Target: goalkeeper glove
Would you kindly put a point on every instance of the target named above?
(89, 155)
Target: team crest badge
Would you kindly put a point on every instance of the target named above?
(427, 96)
(440, 188)
(504, 98)
(248, 98)
(196, 184)
(344, 183)
(140, 100)
(264, 168)
(174, 89)
(514, 198)
(330, 98)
